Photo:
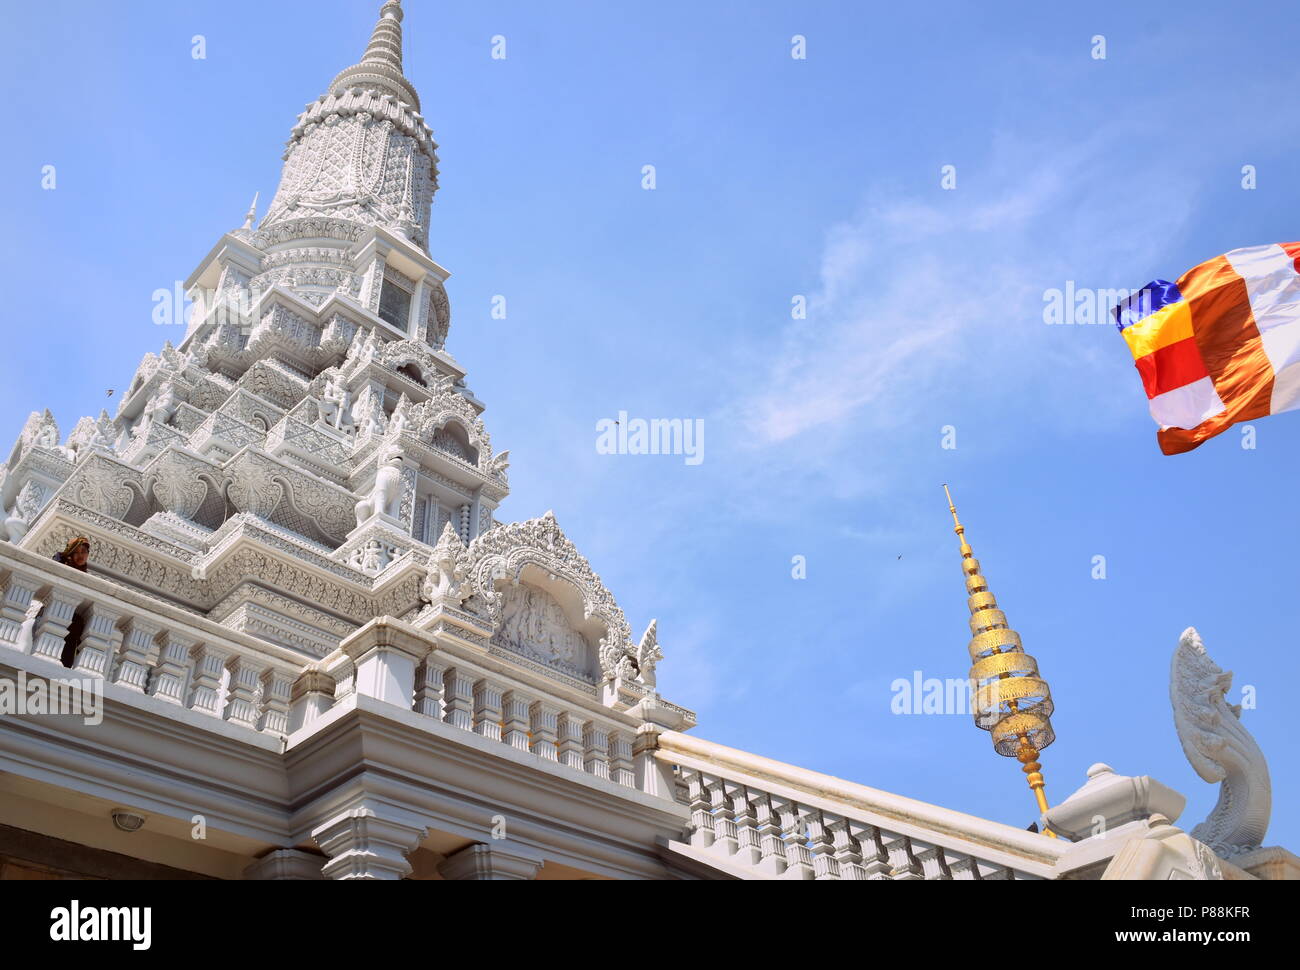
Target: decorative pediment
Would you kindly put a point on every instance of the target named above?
(536, 554)
(338, 334)
(416, 358)
(446, 406)
(211, 390)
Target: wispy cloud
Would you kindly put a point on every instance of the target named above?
(920, 298)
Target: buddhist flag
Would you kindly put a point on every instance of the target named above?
(1221, 345)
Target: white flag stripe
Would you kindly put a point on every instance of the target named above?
(1187, 406)
(1274, 290)
(1286, 390)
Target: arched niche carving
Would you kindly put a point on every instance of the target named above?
(538, 553)
(455, 439)
(542, 618)
(414, 372)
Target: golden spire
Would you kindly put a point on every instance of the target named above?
(1010, 700)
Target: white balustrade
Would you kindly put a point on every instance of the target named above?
(782, 822)
(395, 663)
(141, 645)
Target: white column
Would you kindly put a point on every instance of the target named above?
(847, 856)
(724, 825)
(171, 677)
(429, 687)
(386, 671)
(515, 708)
(241, 702)
(620, 759)
(747, 848)
(570, 747)
(100, 641)
(419, 310)
(768, 827)
(797, 860)
(138, 655)
(474, 513)
(459, 699)
(369, 842)
(595, 743)
(875, 861)
(52, 626)
(205, 688)
(487, 710)
(823, 852)
(274, 706)
(17, 600)
(654, 777)
(545, 721)
(701, 827)
(899, 850)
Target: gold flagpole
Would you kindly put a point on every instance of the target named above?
(1011, 701)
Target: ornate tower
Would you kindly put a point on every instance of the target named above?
(362, 151)
(308, 457)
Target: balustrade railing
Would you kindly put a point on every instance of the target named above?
(774, 820)
(461, 687)
(141, 644)
(154, 648)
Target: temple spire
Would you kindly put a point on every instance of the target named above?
(252, 212)
(362, 152)
(381, 64)
(386, 40)
(1009, 698)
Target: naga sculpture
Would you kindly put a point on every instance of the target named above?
(1220, 749)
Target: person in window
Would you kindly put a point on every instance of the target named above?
(77, 556)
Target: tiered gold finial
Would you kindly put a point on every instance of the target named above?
(1010, 700)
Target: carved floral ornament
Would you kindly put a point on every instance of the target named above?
(313, 227)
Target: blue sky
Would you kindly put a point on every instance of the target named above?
(776, 177)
